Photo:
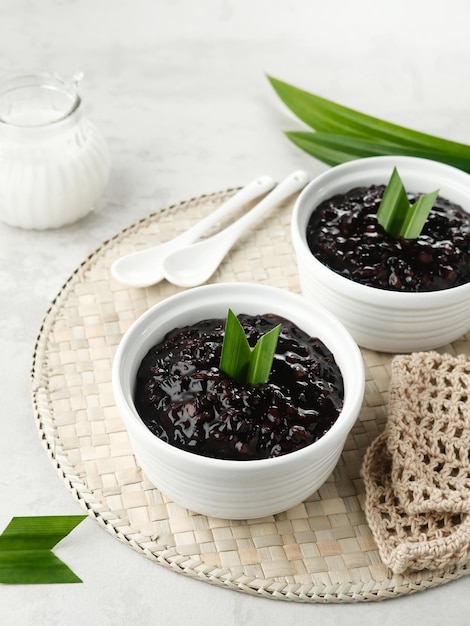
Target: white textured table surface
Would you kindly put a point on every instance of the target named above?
(178, 87)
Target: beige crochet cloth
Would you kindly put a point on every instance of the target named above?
(417, 472)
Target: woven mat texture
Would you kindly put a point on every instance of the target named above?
(319, 551)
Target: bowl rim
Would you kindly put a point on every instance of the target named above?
(353, 396)
(374, 165)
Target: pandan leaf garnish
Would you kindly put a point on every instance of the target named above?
(397, 215)
(238, 360)
(26, 555)
(343, 134)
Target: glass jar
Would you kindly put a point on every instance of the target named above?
(54, 165)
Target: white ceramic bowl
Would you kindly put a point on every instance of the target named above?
(376, 318)
(236, 489)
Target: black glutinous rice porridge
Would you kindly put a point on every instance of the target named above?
(343, 233)
(186, 400)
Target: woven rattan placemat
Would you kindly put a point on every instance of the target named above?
(319, 551)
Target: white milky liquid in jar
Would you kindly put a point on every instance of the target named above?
(54, 164)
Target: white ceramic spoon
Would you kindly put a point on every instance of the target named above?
(195, 264)
(144, 268)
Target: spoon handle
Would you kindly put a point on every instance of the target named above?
(294, 182)
(194, 264)
(252, 190)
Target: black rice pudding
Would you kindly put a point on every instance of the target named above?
(344, 234)
(186, 400)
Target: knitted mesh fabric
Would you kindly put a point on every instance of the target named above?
(417, 473)
(429, 432)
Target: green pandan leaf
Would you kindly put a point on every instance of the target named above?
(347, 134)
(397, 216)
(335, 149)
(236, 351)
(262, 357)
(25, 550)
(418, 214)
(242, 363)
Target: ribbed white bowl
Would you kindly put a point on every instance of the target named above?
(236, 489)
(379, 319)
